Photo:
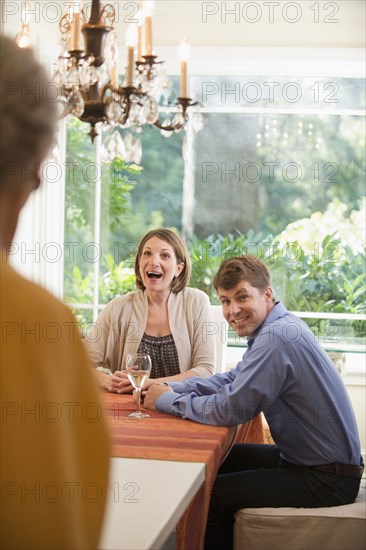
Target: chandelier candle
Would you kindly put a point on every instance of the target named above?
(114, 75)
(75, 35)
(22, 39)
(149, 10)
(140, 16)
(131, 41)
(184, 52)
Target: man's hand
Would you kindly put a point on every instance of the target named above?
(153, 393)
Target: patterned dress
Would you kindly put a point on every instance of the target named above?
(163, 353)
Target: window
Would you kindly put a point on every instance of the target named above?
(277, 170)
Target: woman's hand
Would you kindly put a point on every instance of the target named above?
(120, 382)
(115, 383)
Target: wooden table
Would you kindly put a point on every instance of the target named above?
(167, 437)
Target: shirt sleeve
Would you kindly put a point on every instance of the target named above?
(235, 397)
(203, 386)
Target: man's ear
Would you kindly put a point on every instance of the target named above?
(268, 293)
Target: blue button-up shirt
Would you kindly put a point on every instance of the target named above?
(286, 374)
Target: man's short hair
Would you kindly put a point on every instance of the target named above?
(242, 268)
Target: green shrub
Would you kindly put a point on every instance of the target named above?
(311, 271)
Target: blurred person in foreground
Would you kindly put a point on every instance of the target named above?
(162, 317)
(54, 443)
(288, 376)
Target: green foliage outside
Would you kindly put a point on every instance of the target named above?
(332, 168)
(118, 280)
(326, 274)
(117, 182)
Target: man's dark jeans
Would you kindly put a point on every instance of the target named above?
(253, 476)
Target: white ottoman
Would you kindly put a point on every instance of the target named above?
(333, 528)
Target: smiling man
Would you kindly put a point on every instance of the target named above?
(286, 375)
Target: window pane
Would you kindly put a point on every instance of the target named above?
(81, 251)
(285, 92)
(264, 171)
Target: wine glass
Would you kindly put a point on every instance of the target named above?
(138, 368)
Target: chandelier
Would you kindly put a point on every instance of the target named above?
(87, 77)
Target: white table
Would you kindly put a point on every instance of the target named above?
(146, 499)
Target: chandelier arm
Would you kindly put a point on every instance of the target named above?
(108, 14)
(105, 89)
(169, 127)
(184, 103)
(64, 25)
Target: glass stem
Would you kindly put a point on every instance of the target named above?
(138, 391)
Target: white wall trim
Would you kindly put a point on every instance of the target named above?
(38, 244)
(322, 62)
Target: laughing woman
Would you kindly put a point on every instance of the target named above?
(163, 318)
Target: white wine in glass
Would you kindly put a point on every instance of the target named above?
(138, 368)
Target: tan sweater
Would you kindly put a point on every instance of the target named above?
(121, 325)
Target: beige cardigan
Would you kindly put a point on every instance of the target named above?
(121, 325)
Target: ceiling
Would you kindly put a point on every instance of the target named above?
(303, 23)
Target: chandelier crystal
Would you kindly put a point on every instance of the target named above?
(86, 74)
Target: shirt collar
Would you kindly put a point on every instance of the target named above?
(276, 312)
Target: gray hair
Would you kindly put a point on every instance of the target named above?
(27, 115)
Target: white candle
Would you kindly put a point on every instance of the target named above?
(114, 76)
(129, 71)
(183, 79)
(131, 41)
(140, 30)
(148, 36)
(75, 37)
(23, 37)
(76, 32)
(184, 53)
(148, 11)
